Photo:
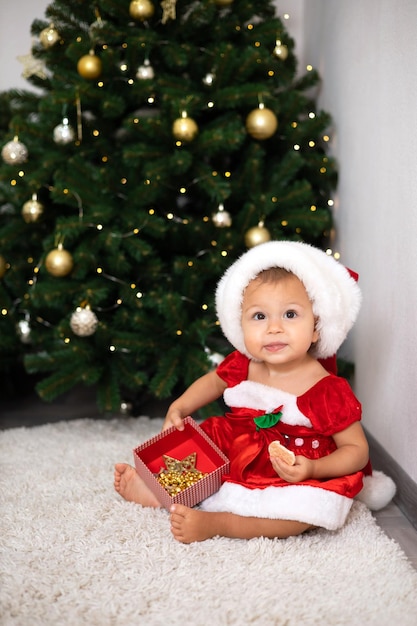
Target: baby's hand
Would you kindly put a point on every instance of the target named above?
(301, 470)
(173, 418)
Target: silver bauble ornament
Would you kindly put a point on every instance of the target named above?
(24, 331)
(145, 71)
(209, 79)
(83, 322)
(222, 219)
(64, 133)
(14, 152)
(32, 210)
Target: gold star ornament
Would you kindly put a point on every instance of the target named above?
(32, 66)
(169, 10)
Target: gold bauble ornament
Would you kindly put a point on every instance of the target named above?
(184, 128)
(49, 36)
(261, 123)
(3, 266)
(280, 50)
(14, 152)
(89, 66)
(256, 235)
(59, 262)
(83, 321)
(141, 10)
(32, 210)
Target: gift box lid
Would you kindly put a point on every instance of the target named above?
(179, 444)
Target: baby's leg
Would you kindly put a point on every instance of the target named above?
(189, 525)
(131, 487)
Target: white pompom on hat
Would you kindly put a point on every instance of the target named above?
(334, 294)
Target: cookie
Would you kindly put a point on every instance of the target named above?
(276, 449)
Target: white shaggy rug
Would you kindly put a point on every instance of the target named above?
(74, 553)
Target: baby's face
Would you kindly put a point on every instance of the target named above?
(277, 320)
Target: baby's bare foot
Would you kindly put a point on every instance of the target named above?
(189, 525)
(131, 487)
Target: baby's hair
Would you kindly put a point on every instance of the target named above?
(273, 275)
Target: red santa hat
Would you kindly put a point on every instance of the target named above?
(334, 294)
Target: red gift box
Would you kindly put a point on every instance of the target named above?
(179, 444)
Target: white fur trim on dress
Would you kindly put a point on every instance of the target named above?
(252, 395)
(335, 296)
(301, 503)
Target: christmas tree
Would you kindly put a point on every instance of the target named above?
(164, 139)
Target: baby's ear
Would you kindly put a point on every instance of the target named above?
(316, 333)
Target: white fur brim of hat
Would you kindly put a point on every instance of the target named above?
(334, 294)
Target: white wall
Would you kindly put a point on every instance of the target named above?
(366, 53)
(16, 17)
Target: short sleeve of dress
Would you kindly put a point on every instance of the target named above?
(330, 405)
(233, 369)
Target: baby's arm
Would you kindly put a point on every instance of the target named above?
(203, 391)
(352, 455)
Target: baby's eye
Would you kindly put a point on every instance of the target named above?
(259, 316)
(290, 315)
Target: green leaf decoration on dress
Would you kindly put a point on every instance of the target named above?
(267, 420)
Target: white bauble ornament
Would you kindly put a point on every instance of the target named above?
(64, 133)
(83, 322)
(14, 152)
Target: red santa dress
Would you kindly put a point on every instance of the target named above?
(305, 424)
